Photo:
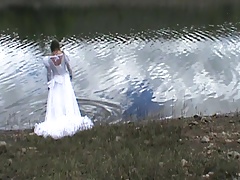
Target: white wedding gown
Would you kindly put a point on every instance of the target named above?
(63, 117)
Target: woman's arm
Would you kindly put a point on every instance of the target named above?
(68, 66)
(49, 73)
(47, 66)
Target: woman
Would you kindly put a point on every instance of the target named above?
(63, 117)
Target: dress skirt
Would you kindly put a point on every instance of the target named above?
(63, 117)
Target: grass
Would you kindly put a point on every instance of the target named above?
(190, 148)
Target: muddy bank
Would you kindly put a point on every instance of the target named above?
(118, 3)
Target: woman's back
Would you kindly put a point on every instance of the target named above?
(58, 64)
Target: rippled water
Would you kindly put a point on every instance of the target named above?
(153, 72)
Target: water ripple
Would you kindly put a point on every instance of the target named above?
(142, 73)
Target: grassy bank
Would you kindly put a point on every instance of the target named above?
(193, 148)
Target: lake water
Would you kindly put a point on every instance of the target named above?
(127, 63)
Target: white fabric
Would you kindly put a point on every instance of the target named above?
(63, 117)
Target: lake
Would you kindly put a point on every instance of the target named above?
(128, 63)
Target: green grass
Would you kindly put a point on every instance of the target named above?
(169, 149)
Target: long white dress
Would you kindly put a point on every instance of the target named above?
(63, 117)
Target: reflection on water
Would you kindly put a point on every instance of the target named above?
(164, 70)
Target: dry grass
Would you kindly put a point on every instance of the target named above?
(193, 148)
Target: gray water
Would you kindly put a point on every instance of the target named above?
(126, 64)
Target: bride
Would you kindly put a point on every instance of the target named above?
(63, 117)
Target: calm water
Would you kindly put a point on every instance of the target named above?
(138, 63)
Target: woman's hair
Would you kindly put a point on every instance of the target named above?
(54, 45)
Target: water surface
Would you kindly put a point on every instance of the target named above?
(127, 64)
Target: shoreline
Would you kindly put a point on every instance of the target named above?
(142, 121)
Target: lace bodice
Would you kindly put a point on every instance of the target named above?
(53, 69)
